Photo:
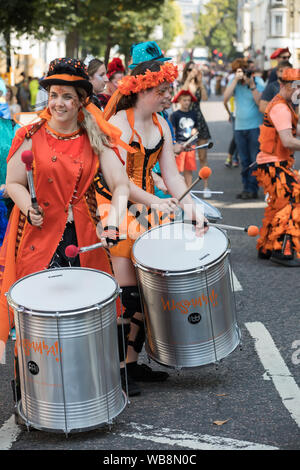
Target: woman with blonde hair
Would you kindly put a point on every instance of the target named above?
(69, 144)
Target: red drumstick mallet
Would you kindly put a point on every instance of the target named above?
(204, 174)
(27, 159)
(72, 251)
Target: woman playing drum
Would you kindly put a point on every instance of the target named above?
(133, 108)
(68, 144)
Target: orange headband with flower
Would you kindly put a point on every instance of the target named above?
(134, 84)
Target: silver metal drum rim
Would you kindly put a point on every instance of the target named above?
(180, 273)
(59, 431)
(66, 313)
(162, 272)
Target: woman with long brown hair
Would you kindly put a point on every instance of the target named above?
(133, 108)
(192, 81)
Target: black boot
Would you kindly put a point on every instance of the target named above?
(133, 388)
(144, 373)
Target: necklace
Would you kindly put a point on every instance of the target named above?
(60, 136)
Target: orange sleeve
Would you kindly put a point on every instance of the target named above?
(8, 272)
(17, 141)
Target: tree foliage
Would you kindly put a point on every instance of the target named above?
(216, 26)
(91, 26)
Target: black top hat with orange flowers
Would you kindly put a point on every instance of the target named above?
(69, 72)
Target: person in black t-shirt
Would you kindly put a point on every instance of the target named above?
(273, 88)
(184, 121)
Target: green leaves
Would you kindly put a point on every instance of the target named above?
(216, 26)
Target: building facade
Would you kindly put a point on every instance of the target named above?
(31, 56)
(265, 25)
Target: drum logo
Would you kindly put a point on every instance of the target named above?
(184, 305)
(194, 318)
(33, 368)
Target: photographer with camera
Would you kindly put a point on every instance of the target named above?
(247, 90)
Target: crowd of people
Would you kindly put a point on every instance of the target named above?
(131, 136)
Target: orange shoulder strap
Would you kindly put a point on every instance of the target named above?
(130, 118)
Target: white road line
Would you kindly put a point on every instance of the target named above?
(195, 441)
(276, 368)
(236, 283)
(9, 433)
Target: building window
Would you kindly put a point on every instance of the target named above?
(278, 26)
(278, 23)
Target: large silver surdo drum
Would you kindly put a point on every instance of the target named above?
(67, 349)
(187, 296)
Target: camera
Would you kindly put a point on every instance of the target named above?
(248, 73)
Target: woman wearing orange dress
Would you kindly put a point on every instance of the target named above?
(133, 108)
(69, 144)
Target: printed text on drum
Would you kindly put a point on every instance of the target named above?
(184, 304)
(40, 347)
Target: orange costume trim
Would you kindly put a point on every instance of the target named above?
(63, 172)
(281, 223)
(139, 167)
(269, 138)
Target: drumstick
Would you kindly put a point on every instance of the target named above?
(190, 140)
(72, 251)
(251, 230)
(209, 145)
(27, 159)
(212, 192)
(204, 173)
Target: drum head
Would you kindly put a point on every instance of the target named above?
(211, 213)
(174, 247)
(63, 290)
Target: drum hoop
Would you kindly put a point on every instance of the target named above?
(198, 269)
(65, 313)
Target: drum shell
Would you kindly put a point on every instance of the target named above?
(190, 316)
(69, 367)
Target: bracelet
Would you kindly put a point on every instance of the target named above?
(111, 234)
(28, 217)
(189, 221)
(254, 88)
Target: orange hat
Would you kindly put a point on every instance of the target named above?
(183, 92)
(278, 52)
(289, 74)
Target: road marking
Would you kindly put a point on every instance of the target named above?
(187, 440)
(276, 368)
(236, 283)
(9, 433)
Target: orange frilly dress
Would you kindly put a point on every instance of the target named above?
(281, 183)
(139, 167)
